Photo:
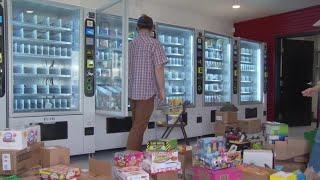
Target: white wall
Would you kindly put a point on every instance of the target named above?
(165, 14)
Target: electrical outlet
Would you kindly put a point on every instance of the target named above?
(199, 119)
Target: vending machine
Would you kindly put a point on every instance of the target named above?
(178, 43)
(114, 31)
(217, 73)
(249, 64)
(51, 71)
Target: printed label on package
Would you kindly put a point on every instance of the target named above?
(6, 162)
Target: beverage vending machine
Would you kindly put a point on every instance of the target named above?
(249, 61)
(51, 71)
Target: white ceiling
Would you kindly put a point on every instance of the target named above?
(250, 9)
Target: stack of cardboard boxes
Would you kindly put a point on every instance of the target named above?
(227, 119)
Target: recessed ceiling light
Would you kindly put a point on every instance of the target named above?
(236, 4)
(29, 11)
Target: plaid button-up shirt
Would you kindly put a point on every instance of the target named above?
(145, 53)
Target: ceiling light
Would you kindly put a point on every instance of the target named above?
(29, 11)
(236, 4)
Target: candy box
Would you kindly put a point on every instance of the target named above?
(130, 173)
(235, 157)
(33, 134)
(13, 139)
(283, 176)
(162, 157)
(275, 128)
(60, 172)
(128, 158)
(201, 173)
(211, 144)
(162, 145)
(154, 168)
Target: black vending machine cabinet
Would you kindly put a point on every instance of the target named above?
(2, 57)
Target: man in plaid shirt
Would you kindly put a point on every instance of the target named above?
(146, 79)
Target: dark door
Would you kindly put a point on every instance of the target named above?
(296, 73)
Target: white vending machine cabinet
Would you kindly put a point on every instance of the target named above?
(249, 57)
(50, 71)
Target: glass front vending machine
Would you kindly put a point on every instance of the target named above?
(178, 44)
(50, 71)
(249, 57)
(114, 31)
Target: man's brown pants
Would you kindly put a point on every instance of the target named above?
(141, 113)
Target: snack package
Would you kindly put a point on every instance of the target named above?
(128, 158)
(59, 172)
(154, 168)
(162, 157)
(212, 144)
(130, 173)
(33, 134)
(13, 139)
(162, 145)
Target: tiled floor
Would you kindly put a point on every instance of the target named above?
(82, 161)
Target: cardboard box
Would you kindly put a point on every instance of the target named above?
(223, 174)
(283, 176)
(220, 127)
(16, 162)
(275, 128)
(226, 117)
(186, 162)
(154, 168)
(165, 176)
(13, 139)
(258, 157)
(250, 126)
(54, 155)
(98, 170)
(130, 173)
(251, 172)
(31, 174)
(291, 148)
(33, 134)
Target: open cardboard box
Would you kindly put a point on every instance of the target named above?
(98, 170)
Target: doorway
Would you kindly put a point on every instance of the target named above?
(297, 69)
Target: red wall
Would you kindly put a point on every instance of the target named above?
(266, 29)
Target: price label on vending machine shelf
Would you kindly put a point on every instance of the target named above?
(89, 67)
(200, 64)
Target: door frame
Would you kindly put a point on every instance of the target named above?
(278, 58)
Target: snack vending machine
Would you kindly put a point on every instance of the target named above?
(249, 61)
(178, 43)
(217, 73)
(51, 71)
(114, 31)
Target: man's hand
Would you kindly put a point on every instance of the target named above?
(310, 92)
(162, 95)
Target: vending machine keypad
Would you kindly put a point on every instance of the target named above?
(89, 68)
